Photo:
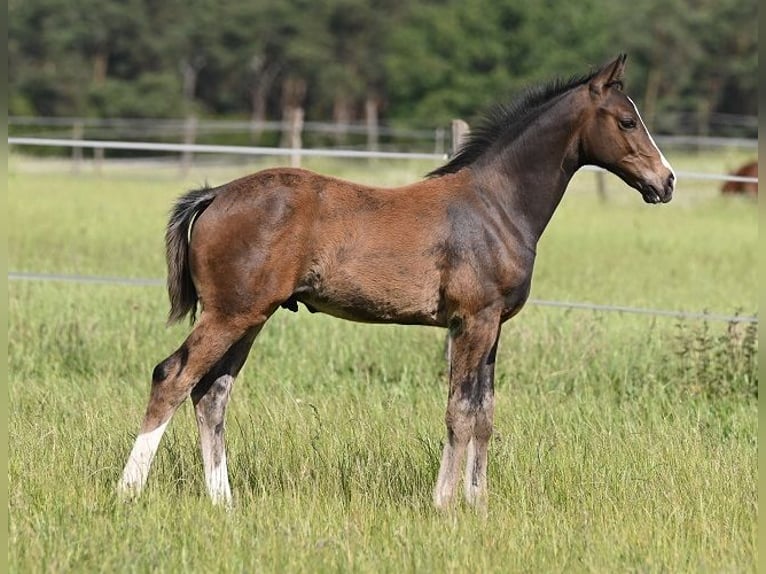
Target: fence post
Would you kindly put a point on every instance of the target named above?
(190, 136)
(601, 185)
(77, 134)
(371, 120)
(98, 159)
(439, 140)
(294, 139)
(460, 132)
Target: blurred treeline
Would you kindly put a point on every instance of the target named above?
(402, 61)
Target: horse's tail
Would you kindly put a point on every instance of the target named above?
(181, 289)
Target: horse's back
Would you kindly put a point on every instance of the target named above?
(285, 230)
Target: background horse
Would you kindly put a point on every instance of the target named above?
(455, 250)
(750, 169)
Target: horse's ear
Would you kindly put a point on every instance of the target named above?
(608, 76)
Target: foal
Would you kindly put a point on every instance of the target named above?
(455, 250)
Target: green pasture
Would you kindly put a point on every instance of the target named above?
(624, 443)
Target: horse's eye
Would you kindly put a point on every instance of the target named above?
(627, 123)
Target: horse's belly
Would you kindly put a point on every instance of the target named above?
(411, 304)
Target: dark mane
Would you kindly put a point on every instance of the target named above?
(507, 121)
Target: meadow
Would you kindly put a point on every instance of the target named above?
(623, 443)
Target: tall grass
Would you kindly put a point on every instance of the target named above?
(623, 443)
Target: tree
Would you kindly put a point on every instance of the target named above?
(416, 62)
(454, 58)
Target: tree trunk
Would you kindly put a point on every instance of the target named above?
(651, 95)
(706, 106)
(190, 73)
(100, 67)
(257, 110)
(259, 93)
(341, 114)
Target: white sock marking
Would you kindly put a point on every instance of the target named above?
(217, 479)
(137, 468)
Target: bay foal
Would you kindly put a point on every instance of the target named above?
(455, 250)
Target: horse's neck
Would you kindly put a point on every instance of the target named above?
(528, 178)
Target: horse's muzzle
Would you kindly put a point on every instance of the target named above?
(659, 194)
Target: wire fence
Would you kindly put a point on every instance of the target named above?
(177, 126)
(145, 282)
(369, 135)
(221, 149)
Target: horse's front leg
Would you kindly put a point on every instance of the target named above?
(470, 406)
(476, 461)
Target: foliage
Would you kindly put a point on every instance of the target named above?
(423, 62)
(718, 364)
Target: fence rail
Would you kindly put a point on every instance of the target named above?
(178, 125)
(145, 282)
(281, 151)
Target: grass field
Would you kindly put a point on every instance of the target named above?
(623, 442)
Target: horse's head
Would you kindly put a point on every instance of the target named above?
(614, 137)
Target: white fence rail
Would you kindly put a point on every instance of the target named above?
(292, 152)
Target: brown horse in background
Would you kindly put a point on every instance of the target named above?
(455, 250)
(749, 188)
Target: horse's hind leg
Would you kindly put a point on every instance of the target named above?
(172, 381)
(469, 407)
(210, 397)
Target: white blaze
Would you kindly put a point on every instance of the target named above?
(651, 139)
